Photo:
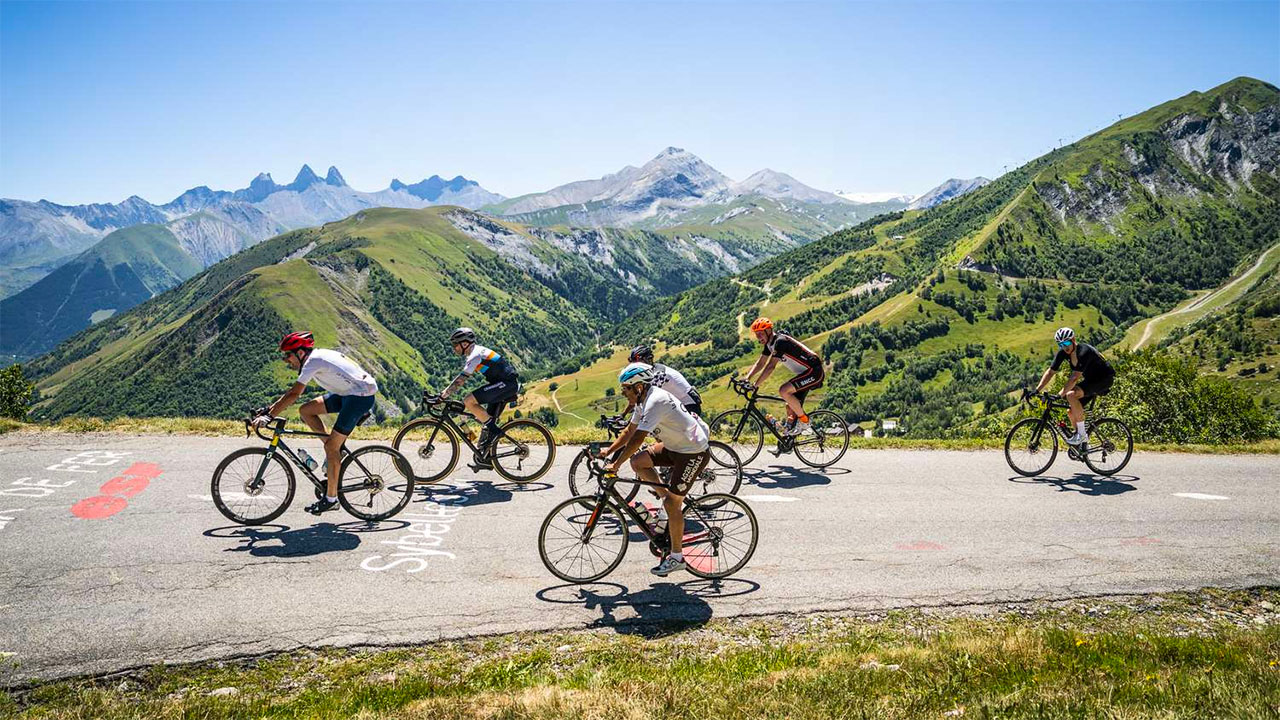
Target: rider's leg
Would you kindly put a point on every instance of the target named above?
(333, 453)
(475, 409)
(311, 412)
(1075, 411)
(795, 408)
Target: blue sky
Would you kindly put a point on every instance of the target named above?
(102, 100)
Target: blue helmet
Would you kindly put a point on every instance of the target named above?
(636, 372)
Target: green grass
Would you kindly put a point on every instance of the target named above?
(1192, 655)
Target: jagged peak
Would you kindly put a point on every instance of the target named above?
(397, 185)
(333, 177)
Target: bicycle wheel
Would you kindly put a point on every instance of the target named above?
(375, 482)
(741, 430)
(581, 545)
(720, 535)
(1110, 446)
(251, 489)
(722, 475)
(523, 451)
(430, 446)
(1030, 447)
(582, 483)
(825, 442)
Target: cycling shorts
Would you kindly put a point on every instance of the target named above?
(350, 409)
(685, 467)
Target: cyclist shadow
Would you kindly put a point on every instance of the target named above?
(662, 609)
(1084, 483)
(483, 492)
(785, 478)
(283, 541)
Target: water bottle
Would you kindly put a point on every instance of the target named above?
(307, 460)
(660, 522)
(773, 422)
(643, 511)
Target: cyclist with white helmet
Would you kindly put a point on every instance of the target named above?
(1091, 375)
(349, 392)
(796, 357)
(502, 385)
(683, 445)
(669, 379)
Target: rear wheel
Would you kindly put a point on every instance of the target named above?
(375, 482)
(431, 448)
(825, 442)
(523, 451)
(722, 475)
(252, 486)
(1030, 447)
(720, 535)
(1110, 446)
(740, 430)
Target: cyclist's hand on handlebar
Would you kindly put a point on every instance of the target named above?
(261, 420)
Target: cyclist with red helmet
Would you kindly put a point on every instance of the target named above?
(799, 359)
(349, 393)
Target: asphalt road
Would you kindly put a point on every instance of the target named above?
(91, 584)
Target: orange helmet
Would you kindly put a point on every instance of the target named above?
(761, 323)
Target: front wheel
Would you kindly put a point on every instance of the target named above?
(523, 451)
(1030, 447)
(582, 482)
(1110, 446)
(825, 442)
(720, 535)
(583, 539)
(741, 430)
(430, 446)
(252, 486)
(375, 482)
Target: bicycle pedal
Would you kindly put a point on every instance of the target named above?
(476, 467)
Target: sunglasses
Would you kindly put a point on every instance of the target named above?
(1065, 344)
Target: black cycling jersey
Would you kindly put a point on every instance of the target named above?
(1088, 361)
(793, 353)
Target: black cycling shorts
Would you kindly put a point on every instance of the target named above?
(1092, 387)
(497, 394)
(694, 408)
(685, 467)
(808, 380)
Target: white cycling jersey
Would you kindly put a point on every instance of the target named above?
(337, 373)
(672, 381)
(664, 417)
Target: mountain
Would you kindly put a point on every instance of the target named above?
(952, 188)
(876, 197)
(933, 317)
(782, 186)
(36, 237)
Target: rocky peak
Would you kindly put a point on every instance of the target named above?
(306, 178)
(334, 177)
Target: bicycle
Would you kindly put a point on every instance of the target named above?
(431, 443)
(1107, 448)
(374, 482)
(585, 538)
(725, 478)
(824, 444)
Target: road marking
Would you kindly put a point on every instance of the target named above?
(767, 498)
(1201, 496)
(234, 496)
(919, 545)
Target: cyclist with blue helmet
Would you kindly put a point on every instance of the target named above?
(1091, 375)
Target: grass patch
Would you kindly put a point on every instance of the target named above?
(1185, 655)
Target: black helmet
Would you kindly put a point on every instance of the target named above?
(462, 334)
(641, 353)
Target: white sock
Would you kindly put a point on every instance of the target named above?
(1080, 429)
(677, 556)
(662, 513)
(331, 499)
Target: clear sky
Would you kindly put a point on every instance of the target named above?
(103, 100)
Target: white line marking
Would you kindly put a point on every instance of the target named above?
(1201, 496)
(767, 498)
(233, 496)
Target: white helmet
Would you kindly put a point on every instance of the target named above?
(636, 372)
(1064, 334)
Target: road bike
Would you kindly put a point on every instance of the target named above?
(722, 475)
(255, 485)
(1032, 443)
(822, 445)
(522, 450)
(585, 538)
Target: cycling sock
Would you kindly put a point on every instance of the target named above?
(804, 418)
(330, 499)
(1080, 429)
(677, 556)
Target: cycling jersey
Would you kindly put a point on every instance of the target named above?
(793, 353)
(673, 382)
(494, 366)
(664, 417)
(337, 373)
(1088, 361)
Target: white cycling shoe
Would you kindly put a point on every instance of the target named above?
(668, 565)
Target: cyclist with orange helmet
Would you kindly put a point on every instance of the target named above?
(805, 363)
(349, 392)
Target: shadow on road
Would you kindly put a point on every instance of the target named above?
(479, 492)
(783, 477)
(662, 609)
(283, 541)
(1083, 483)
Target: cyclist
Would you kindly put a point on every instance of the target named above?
(349, 393)
(805, 363)
(683, 444)
(1091, 375)
(502, 385)
(668, 379)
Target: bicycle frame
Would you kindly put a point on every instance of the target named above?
(606, 492)
(277, 443)
(1046, 419)
(444, 413)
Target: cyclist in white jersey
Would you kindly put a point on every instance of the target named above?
(669, 379)
(350, 394)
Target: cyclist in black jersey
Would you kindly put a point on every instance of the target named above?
(805, 363)
(1091, 375)
(502, 385)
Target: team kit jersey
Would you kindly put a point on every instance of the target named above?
(1089, 362)
(493, 366)
(673, 382)
(793, 353)
(664, 417)
(337, 373)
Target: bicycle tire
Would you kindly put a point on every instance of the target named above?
(511, 435)
(361, 472)
(1029, 425)
(712, 514)
(738, 427)
(726, 458)
(1108, 442)
(581, 482)
(423, 428)
(821, 421)
(570, 514)
(216, 490)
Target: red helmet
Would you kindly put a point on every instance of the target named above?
(297, 341)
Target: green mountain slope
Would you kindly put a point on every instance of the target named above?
(933, 317)
(127, 267)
